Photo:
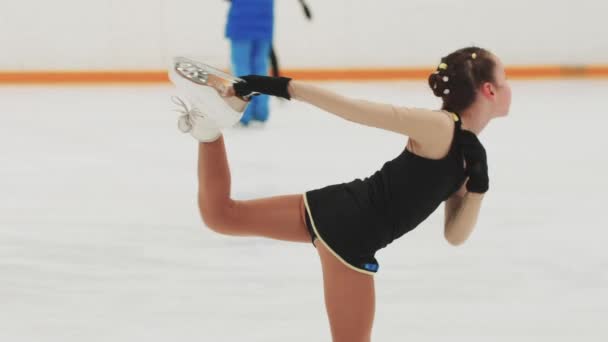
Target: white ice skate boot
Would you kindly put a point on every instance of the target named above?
(192, 120)
(202, 85)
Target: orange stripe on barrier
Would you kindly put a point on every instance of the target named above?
(353, 74)
(85, 77)
(536, 72)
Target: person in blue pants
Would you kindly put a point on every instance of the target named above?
(250, 29)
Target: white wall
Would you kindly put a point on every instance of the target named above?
(142, 34)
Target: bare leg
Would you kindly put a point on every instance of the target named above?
(278, 217)
(349, 299)
(349, 295)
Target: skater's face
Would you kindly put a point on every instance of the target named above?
(501, 92)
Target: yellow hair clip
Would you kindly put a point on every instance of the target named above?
(443, 66)
(474, 55)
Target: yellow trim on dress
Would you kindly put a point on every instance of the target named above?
(314, 227)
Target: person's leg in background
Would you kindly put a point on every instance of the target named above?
(241, 52)
(260, 63)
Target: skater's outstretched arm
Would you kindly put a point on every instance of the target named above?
(422, 125)
(418, 124)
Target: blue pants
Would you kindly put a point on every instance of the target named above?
(250, 57)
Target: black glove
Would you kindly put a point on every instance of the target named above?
(275, 86)
(476, 162)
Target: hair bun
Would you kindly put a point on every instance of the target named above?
(438, 84)
(459, 76)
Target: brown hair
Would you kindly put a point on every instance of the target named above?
(460, 75)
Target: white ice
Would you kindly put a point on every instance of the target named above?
(101, 240)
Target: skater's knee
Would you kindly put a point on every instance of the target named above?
(217, 217)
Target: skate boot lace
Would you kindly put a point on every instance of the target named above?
(188, 114)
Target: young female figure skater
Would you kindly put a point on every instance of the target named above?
(443, 161)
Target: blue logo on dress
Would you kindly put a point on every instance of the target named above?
(371, 267)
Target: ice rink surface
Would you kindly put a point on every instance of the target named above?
(101, 240)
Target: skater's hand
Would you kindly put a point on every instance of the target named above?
(257, 84)
(476, 162)
(222, 87)
(228, 91)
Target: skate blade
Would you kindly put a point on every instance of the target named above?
(206, 75)
(200, 73)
